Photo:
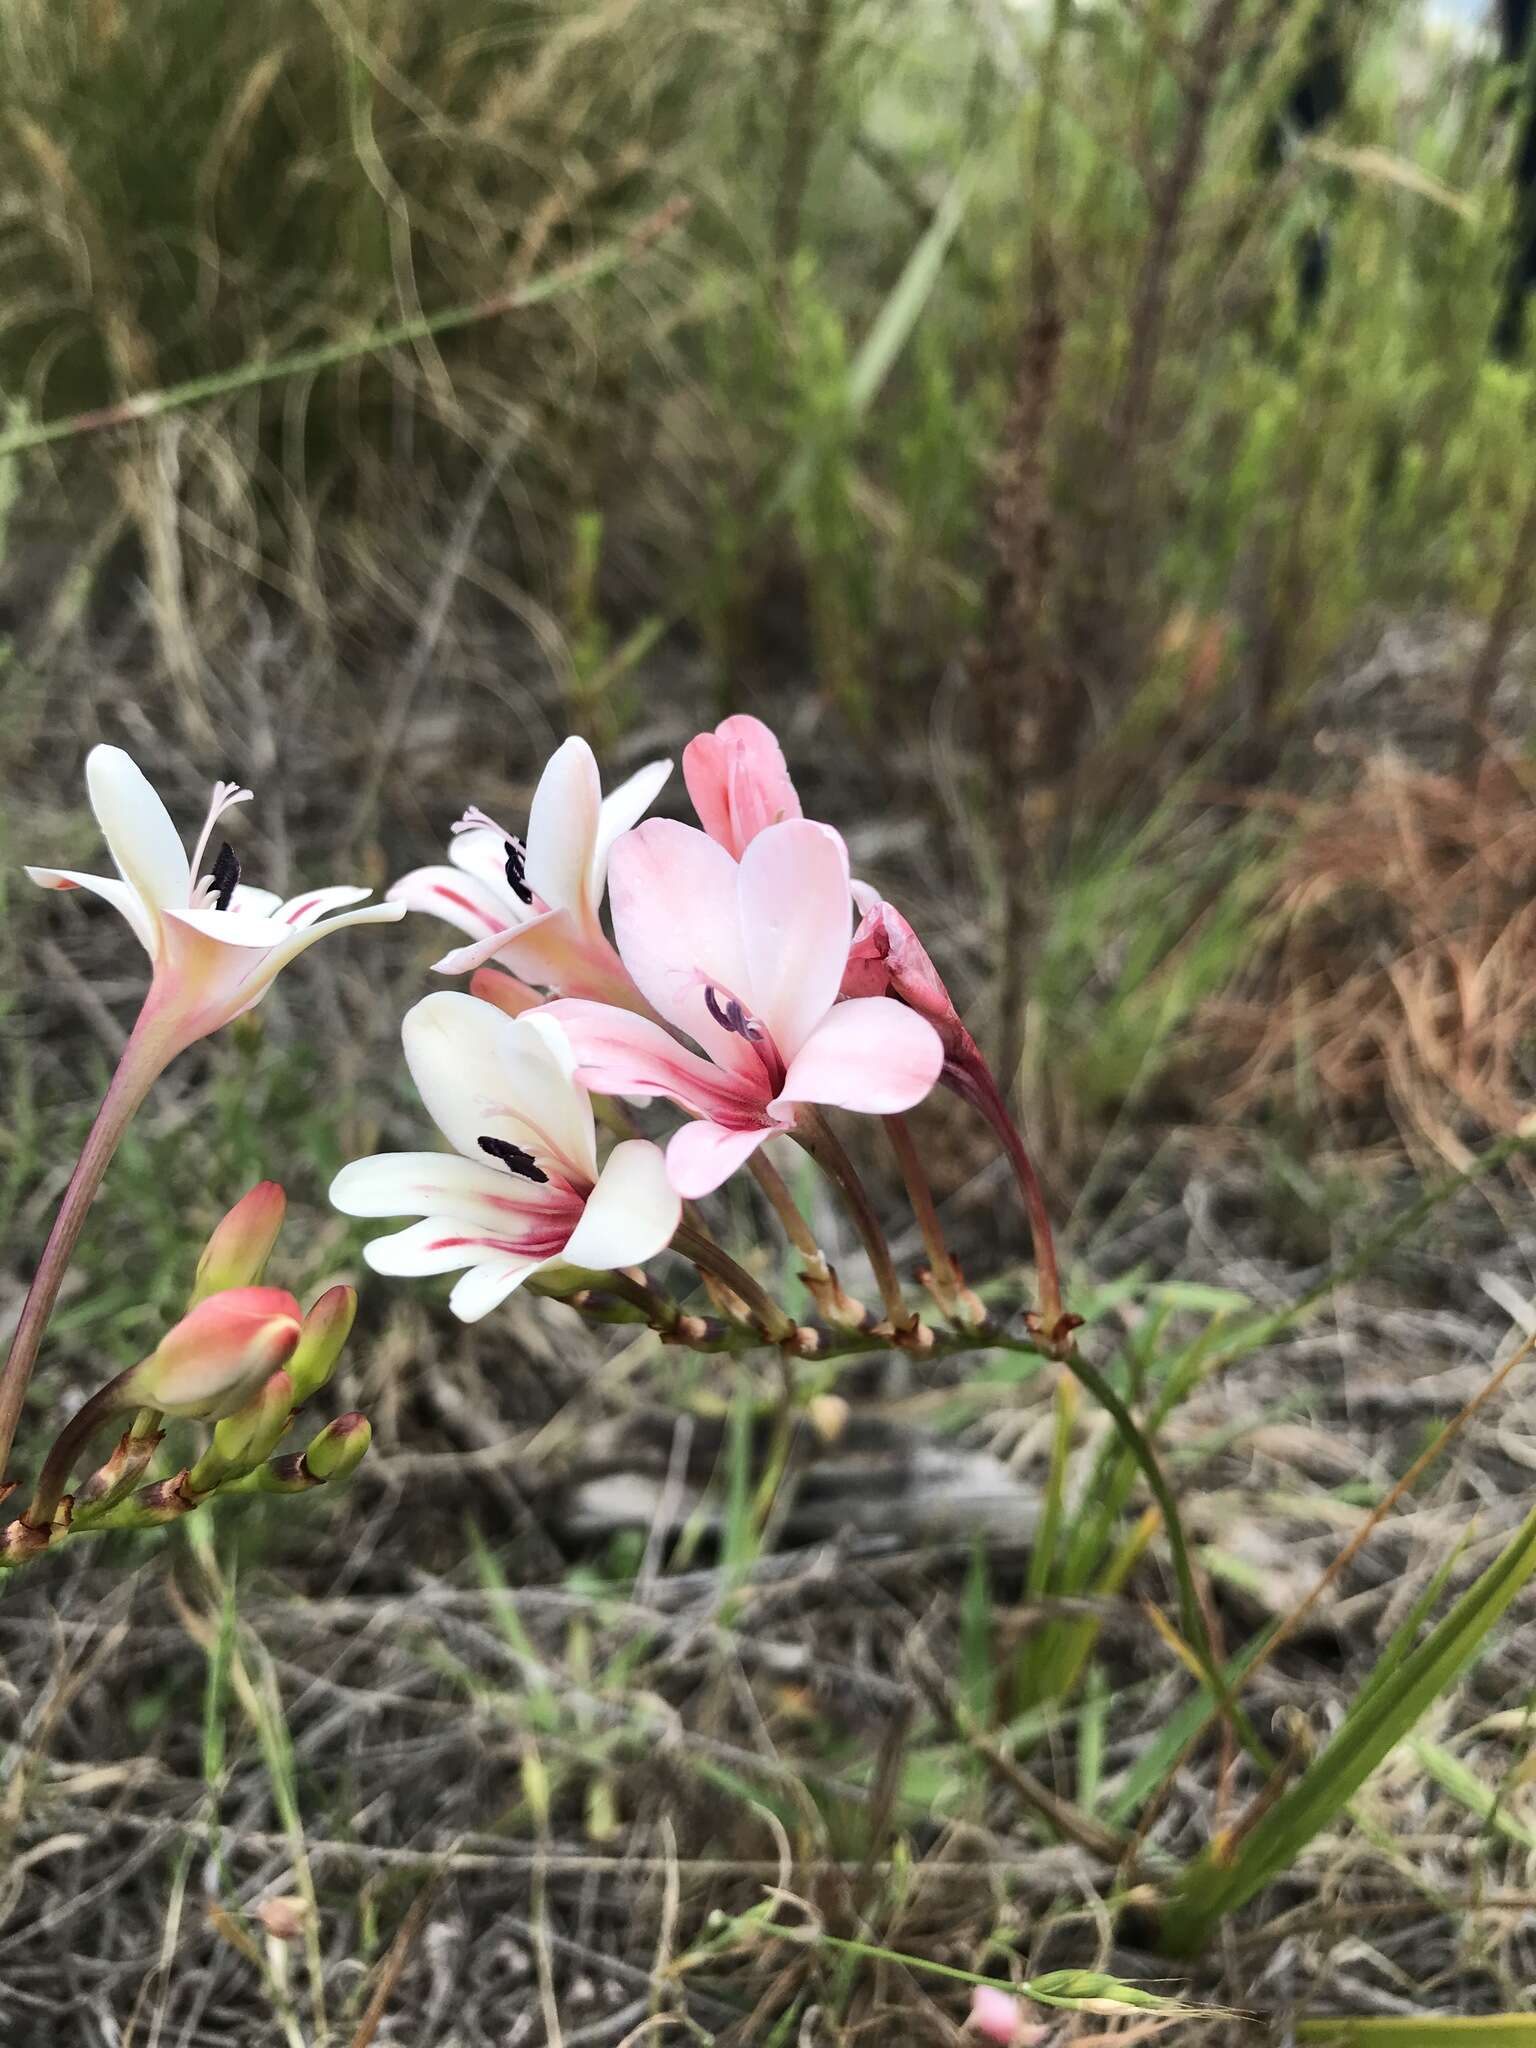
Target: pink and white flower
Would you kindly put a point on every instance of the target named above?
(739, 783)
(747, 960)
(216, 945)
(522, 1191)
(535, 910)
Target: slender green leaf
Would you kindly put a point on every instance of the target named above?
(1224, 1879)
(1456, 2030)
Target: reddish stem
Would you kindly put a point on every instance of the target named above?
(973, 1082)
(144, 1057)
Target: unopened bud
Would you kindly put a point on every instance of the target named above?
(248, 1436)
(284, 1918)
(217, 1356)
(340, 1448)
(327, 1327)
(237, 1253)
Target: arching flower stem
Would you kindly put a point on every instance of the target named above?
(944, 1279)
(816, 1135)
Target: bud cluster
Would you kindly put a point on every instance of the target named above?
(244, 1358)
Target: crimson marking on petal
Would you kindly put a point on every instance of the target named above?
(300, 909)
(463, 903)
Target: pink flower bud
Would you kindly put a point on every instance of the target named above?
(997, 2016)
(218, 1354)
(887, 958)
(236, 1255)
(738, 782)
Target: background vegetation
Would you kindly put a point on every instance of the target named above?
(938, 381)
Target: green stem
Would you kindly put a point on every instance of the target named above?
(1191, 1615)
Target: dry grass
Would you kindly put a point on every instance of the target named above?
(1400, 967)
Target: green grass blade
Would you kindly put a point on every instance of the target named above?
(899, 315)
(1218, 1883)
(1469, 1790)
(1458, 2030)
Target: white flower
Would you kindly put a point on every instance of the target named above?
(522, 1190)
(216, 946)
(535, 911)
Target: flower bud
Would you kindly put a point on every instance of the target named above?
(327, 1327)
(236, 1255)
(997, 2016)
(887, 958)
(218, 1354)
(248, 1436)
(340, 1448)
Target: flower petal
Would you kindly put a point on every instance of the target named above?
(479, 951)
(563, 827)
(678, 925)
(481, 851)
(483, 1074)
(487, 1286)
(438, 1244)
(443, 1184)
(738, 782)
(869, 1054)
(266, 968)
(460, 899)
(619, 1053)
(230, 927)
(702, 1155)
(300, 912)
(122, 899)
(515, 997)
(796, 921)
(631, 1213)
(137, 828)
(625, 807)
(259, 902)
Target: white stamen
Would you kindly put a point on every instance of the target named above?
(225, 796)
(476, 820)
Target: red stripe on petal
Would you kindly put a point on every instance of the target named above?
(464, 903)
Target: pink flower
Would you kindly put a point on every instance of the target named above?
(534, 910)
(739, 783)
(216, 945)
(525, 1190)
(997, 2016)
(747, 960)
